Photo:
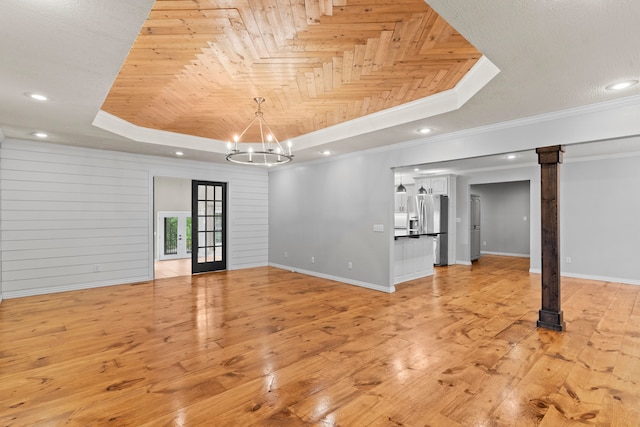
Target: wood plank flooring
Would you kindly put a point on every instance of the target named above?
(271, 347)
(172, 268)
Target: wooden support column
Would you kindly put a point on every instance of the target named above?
(550, 158)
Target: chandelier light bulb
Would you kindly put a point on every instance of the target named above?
(269, 151)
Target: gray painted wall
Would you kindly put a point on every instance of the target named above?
(66, 209)
(327, 210)
(504, 217)
(328, 207)
(600, 211)
(171, 194)
(324, 209)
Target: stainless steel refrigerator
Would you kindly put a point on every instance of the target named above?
(474, 219)
(433, 215)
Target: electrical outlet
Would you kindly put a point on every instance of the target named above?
(524, 218)
(484, 243)
(286, 254)
(568, 260)
(313, 260)
(96, 268)
(350, 265)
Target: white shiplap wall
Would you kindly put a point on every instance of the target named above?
(67, 212)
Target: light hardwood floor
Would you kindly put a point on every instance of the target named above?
(270, 347)
(172, 268)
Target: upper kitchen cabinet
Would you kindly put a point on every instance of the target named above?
(436, 185)
(401, 198)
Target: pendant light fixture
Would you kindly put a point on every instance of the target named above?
(401, 188)
(422, 190)
(268, 154)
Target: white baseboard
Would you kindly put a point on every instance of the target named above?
(461, 262)
(75, 287)
(250, 265)
(602, 278)
(505, 254)
(413, 276)
(592, 277)
(336, 278)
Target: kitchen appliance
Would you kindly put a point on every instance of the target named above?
(412, 211)
(400, 221)
(474, 219)
(433, 215)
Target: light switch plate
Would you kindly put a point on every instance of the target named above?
(378, 228)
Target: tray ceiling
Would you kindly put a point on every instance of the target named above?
(196, 66)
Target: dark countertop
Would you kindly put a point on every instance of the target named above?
(402, 234)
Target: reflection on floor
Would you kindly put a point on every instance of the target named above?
(172, 268)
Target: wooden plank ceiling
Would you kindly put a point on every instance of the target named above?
(197, 64)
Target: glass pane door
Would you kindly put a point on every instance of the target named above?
(174, 235)
(209, 227)
(170, 227)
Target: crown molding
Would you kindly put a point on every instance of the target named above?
(632, 101)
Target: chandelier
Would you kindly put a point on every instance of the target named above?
(269, 154)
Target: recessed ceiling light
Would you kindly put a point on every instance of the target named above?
(622, 85)
(326, 152)
(40, 134)
(179, 153)
(424, 130)
(36, 96)
(416, 170)
(511, 156)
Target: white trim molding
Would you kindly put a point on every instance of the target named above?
(335, 278)
(450, 100)
(75, 287)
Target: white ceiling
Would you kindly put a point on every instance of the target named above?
(552, 55)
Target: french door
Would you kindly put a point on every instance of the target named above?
(209, 213)
(174, 235)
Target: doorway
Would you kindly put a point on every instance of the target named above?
(505, 218)
(172, 222)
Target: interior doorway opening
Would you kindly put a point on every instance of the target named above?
(504, 222)
(172, 227)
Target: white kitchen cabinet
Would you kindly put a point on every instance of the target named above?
(435, 185)
(413, 258)
(401, 198)
(401, 202)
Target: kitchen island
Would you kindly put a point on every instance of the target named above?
(413, 254)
